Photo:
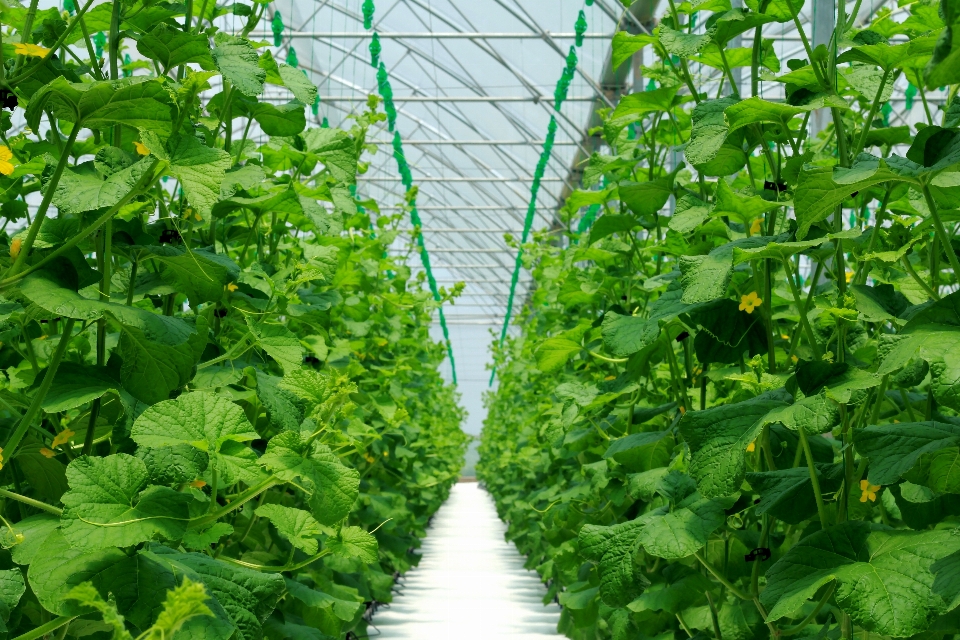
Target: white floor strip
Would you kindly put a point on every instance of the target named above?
(470, 582)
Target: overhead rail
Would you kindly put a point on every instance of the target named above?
(533, 99)
(459, 179)
(426, 35)
(524, 143)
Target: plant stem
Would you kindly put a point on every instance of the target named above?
(44, 629)
(10, 448)
(789, 631)
(801, 308)
(941, 231)
(905, 261)
(44, 204)
(243, 498)
(723, 580)
(873, 111)
(43, 506)
(821, 508)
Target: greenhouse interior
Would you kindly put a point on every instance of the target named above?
(433, 320)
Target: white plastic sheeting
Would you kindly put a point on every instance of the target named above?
(470, 583)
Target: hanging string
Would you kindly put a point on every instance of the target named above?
(406, 176)
(99, 42)
(560, 94)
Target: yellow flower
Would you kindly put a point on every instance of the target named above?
(1, 458)
(198, 484)
(795, 359)
(386, 454)
(34, 50)
(63, 437)
(47, 453)
(6, 167)
(369, 458)
(15, 247)
(849, 276)
(869, 491)
(750, 302)
(141, 148)
(197, 217)
(752, 447)
(608, 378)
(755, 227)
(784, 336)
(232, 287)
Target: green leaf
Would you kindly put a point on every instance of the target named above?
(172, 47)
(787, 494)
(87, 596)
(625, 45)
(331, 487)
(238, 62)
(884, 579)
(298, 83)
(200, 169)
(110, 505)
(553, 353)
(76, 385)
(279, 343)
(336, 149)
(718, 438)
(613, 548)
(879, 303)
(151, 370)
(199, 419)
(726, 332)
(342, 609)
(689, 214)
(60, 301)
(708, 130)
(200, 275)
(281, 404)
(675, 596)
(642, 451)
(12, 588)
(608, 224)
(724, 27)
(279, 120)
(248, 596)
(200, 540)
(625, 335)
(894, 449)
(354, 542)
(34, 531)
(815, 414)
(681, 43)
(183, 603)
(705, 278)
(296, 525)
(943, 65)
(646, 199)
(82, 188)
(745, 209)
(684, 531)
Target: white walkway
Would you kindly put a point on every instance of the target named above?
(470, 582)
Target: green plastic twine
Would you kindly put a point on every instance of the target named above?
(375, 50)
(406, 176)
(127, 72)
(292, 59)
(315, 107)
(69, 7)
(580, 27)
(99, 41)
(276, 25)
(368, 11)
(566, 77)
(386, 92)
(886, 110)
(527, 224)
(325, 124)
(910, 94)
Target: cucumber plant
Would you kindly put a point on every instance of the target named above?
(732, 408)
(221, 414)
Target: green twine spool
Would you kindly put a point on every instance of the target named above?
(99, 42)
(276, 25)
(325, 124)
(386, 92)
(652, 85)
(292, 59)
(69, 7)
(315, 107)
(126, 61)
(368, 10)
(589, 3)
(886, 110)
(375, 50)
(580, 27)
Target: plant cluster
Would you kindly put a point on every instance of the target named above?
(221, 414)
(731, 410)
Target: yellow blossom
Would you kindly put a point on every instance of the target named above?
(34, 50)
(683, 410)
(6, 167)
(47, 453)
(198, 484)
(608, 378)
(63, 437)
(795, 359)
(386, 454)
(197, 217)
(1, 458)
(752, 447)
(369, 458)
(141, 148)
(849, 275)
(755, 227)
(750, 302)
(869, 491)
(15, 247)
(784, 336)
(232, 287)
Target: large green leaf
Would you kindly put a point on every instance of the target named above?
(151, 370)
(82, 188)
(336, 149)
(172, 47)
(238, 62)
(279, 120)
(625, 45)
(685, 530)
(613, 548)
(296, 525)
(200, 169)
(787, 494)
(705, 277)
(718, 438)
(139, 102)
(553, 353)
(896, 449)
(279, 342)
(76, 385)
(354, 542)
(883, 577)
(110, 505)
(331, 487)
(642, 451)
(42, 290)
(199, 419)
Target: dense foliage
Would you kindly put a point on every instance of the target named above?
(221, 412)
(688, 437)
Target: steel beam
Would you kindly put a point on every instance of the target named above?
(426, 35)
